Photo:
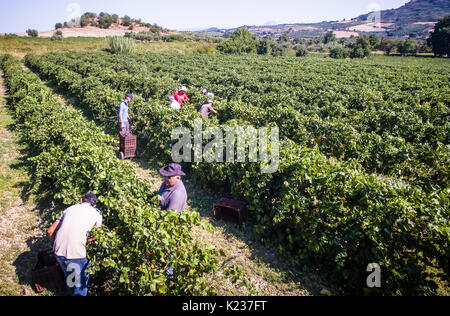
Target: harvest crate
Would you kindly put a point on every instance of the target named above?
(128, 146)
(230, 211)
(47, 274)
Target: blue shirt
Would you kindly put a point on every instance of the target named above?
(123, 108)
(174, 198)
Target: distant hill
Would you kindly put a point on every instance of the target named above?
(414, 19)
(102, 25)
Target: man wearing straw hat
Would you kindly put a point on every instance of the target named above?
(173, 193)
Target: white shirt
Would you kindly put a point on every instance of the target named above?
(175, 105)
(75, 225)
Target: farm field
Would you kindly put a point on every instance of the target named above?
(362, 177)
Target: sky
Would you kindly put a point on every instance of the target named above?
(19, 15)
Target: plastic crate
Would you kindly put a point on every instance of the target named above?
(230, 211)
(47, 274)
(128, 141)
(128, 146)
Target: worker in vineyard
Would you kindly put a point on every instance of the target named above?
(173, 193)
(69, 235)
(173, 103)
(207, 109)
(210, 95)
(180, 96)
(124, 118)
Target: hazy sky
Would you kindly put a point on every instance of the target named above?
(19, 15)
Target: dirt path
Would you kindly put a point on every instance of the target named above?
(260, 270)
(21, 226)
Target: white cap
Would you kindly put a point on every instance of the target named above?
(183, 88)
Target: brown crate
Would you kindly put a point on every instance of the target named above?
(128, 141)
(47, 274)
(129, 153)
(230, 211)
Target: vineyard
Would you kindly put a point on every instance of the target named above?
(363, 172)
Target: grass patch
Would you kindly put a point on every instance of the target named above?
(21, 45)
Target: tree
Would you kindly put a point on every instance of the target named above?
(32, 33)
(361, 48)
(339, 52)
(329, 37)
(277, 50)
(126, 21)
(57, 36)
(240, 42)
(58, 26)
(408, 47)
(87, 19)
(439, 39)
(284, 39)
(105, 20)
(374, 41)
(388, 46)
(264, 47)
(301, 51)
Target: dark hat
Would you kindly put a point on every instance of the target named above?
(129, 96)
(172, 170)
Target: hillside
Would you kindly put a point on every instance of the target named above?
(102, 25)
(414, 19)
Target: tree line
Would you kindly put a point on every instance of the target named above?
(241, 41)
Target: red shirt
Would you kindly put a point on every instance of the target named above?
(180, 97)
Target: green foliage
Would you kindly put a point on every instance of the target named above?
(144, 36)
(57, 36)
(32, 33)
(126, 21)
(140, 250)
(329, 37)
(339, 52)
(87, 19)
(362, 48)
(121, 45)
(240, 42)
(58, 26)
(301, 51)
(440, 37)
(174, 38)
(388, 46)
(362, 176)
(374, 41)
(264, 47)
(408, 47)
(105, 20)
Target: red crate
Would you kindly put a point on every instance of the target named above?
(47, 274)
(230, 211)
(128, 141)
(128, 146)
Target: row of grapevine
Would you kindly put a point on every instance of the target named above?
(138, 243)
(317, 208)
(397, 134)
